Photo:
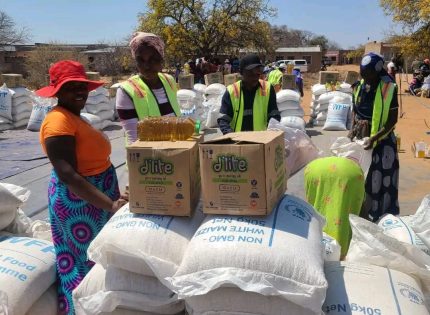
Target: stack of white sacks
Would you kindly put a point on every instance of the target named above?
(99, 105)
(135, 253)
(321, 100)
(292, 113)
(16, 105)
(212, 103)
(27, 262)
(190, 102)
(221, 264)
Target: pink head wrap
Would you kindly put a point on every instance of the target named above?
(149, 39)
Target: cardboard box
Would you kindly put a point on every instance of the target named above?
(243, 173)
(216, 77)
(230, 78)
(289, 82)
(186, 81)
(352, 77)
(93, 75)
(12, 80)
(328, 77)
(164, 177)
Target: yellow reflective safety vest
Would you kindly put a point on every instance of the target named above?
(274, 77)
(144, 100)
(259, 109)
(381, 104)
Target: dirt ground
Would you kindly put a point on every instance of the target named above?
(414, 172)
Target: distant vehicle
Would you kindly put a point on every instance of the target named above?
(302, 64)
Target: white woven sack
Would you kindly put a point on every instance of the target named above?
(299, 148)
(340, 97)
(233, 301)
(12, 197)
(21, 104)
(215, 88)
(5, 125)
(288, 105)
(325, 98)
(21, 116)
(47, 304)
(332, 248)
(299, 112)
(105, 115)
(97, 99)
(27, 270)
(402, 231)
(6, 218)
(19, 91)
(345, 88)
(314, 104)
(287, 95)
(93, 120)
(280, 254)
(370, 245)
(106, 123)
(318, 89)
(337, 117)
(420, 222)
(199, 87)
(20, 225)
(99, 91)
(96, 108)
(213, 112)
(322, 116)
(166, 238)
(293, 122)
(322, 107)
(37, 116)
(5, 102)
(92, 297)
(353, 150)
(117, 279)
(359, 289)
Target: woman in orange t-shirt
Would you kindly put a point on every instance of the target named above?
(83, 190)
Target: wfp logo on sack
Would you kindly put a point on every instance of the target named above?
(391, 223)
(412, 294)
(338, 106)
(229, 163)
(299, 212)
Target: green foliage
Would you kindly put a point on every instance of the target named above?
(203, 28)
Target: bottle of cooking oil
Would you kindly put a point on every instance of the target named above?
(167, 128)
(420, 149)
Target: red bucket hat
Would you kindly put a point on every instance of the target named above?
(65, 71)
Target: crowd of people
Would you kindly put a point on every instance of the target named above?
(83, 190)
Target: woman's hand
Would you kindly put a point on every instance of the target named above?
(117, 204)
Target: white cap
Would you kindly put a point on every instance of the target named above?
(282, 66)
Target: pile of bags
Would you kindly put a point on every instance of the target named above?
(220, 264)
(5, 108)
(323, 100)
(99, 105)
(292, 113)
(27, 264)
(16, 105)
(135, 253)
(212, 103)
(41, 107)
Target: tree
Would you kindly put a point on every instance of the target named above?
(319, 40)
(283, 36)
(40, 60)
(203, 28)
(9, 33)
(414, 16)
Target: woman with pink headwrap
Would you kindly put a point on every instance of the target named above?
(150, 93)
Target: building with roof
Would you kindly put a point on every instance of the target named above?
(386, 50)
(312, 54)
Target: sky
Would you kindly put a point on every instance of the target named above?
(347, 22)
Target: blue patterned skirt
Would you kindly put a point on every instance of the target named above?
(75, 223)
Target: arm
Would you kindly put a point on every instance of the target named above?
(272, 109)
(61, 152)
(127, 115)
(390, 124)
(226, 114)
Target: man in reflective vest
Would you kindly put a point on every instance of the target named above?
(275, 76)
(248, 105)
